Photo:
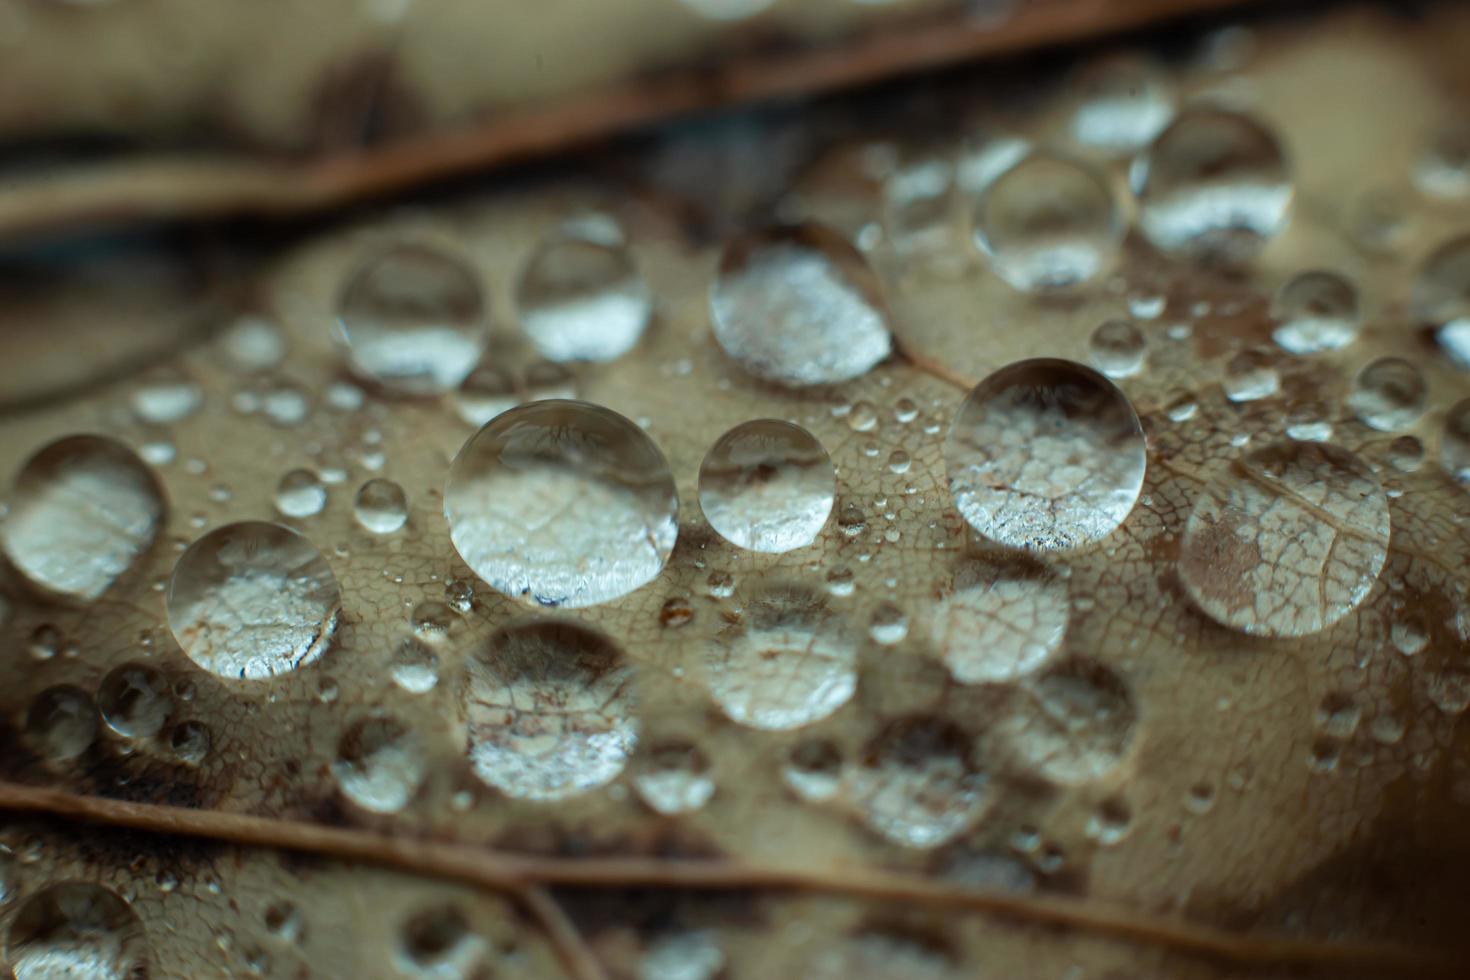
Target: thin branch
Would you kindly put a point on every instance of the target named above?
(580, 962)
(519, 873)
(193, 187)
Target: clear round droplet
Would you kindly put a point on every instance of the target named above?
(61, 723)
(251, 600)
(135, 700)
(379, 765)
(1389, 394)
(1287, 540)
(82, 511)
(1315, 311)
(1117, 349)
(415, 667)
(674, 778)
(1214, 185)
(1441, 297)
(1049, 222)
(300, 493)
(1072, 725)
(1454, 442)
(488, 391)
(381, 506)
(1123, 101)
(582, 299)
(1002, 620)
(76, 929)
(190, 741)
(549, 711)
(1045, 454)
(438, 942)
(918, 783)
(813, 771)
(789, 661)
(166, 396)
(413, 319)
(889, 624)
(799, 306)
(1250, 376)
(563, 503)
(1442, 170)
(767, 485)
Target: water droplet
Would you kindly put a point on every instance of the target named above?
(252, 344)
(1117, 349)
(190, 741)
(799, 306)
(984, 157)
(918, 207)
(1250, 376)
(76, 929)
(1338, 715)
(1072, 725)
(565, 503)
(379, 764)
(787, 664)
(1110, 823)
(1214, 185)
(727, 9)
(899, 462)
(252, 600)
(767, 485)
(1048, 223)
(284, 921)
(1286, 541)
(549, 711)
(1388, 394)
(1315, 311)
(1409, 637)
(45, 642)
(166, 396)
(488, 391)
(300, 494)
(415, 667)
(381, 506)
(82, 511)
(135, 700)
(813, 771)
(1443, 168)
(1123, 101)
(580, 299)
(286, 404)
(1045, 454)
(674, 778)
(1002, 621)
(1450, 691)
(683, 956)
(61, 723)
(412, 318)
(889, 625)
(1386, 730)
(918, 784)
(676, 612)
(437, 942)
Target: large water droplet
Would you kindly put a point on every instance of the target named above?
(1045, 454)
(1214, 185)
(1287, 540)
(767, 485)
(582, 299)
(799, 306)
(75, 930)
(788, 663)
(1047, 223)
(1002, 621)
(549, 711)
(379, 764)
(1389, 394)
(135, 700)
(562, 502)
(1072, 725)
(82, 511)
(1315, 311)
(251, 600)
(1123, 101)
(918, 784)
(412, 318)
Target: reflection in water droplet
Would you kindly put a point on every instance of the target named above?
(415, 667)
(83, 509)
(549, 711)
(437, 942)
(190, 741)
(799, 306)
(580, 299)
(767, 485)
(1048, 223)
(1388, 394)
(135, 700)
(1454, 442)
(1214, 185)
(1315, 311)
(1123, 101)
(379, 764)
(674, 778)
(1110, 823)
(381, 506)
(412, 318)
(1002, 621)
(918, 784)
(251, 600)
(1072, 725)
(300, 494)
(813, 770)
(1117, 349)
(565, 503)
(1250, 376)
(889, 624)
(76, 930)
(488, 391)
(788, 663)
(1287, 541)
(61, 723)
(1045, 454)
(165, 396)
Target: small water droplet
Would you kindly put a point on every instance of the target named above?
(286, 404)
(1117, 349)
(380, 506)
(813, 770)
(437, 942)
(488, 391)
(1441, 297)
(1250, 376)
(674, 777)
(1442, 170)
(135, 700)
(889, 624)
(61, 723)
(1338, 715)
(1045, 454)
(379, 764)
(165, 396)
(767, 485)
(252, 344)
(1315, 311)
(1454, 442)
(300, 494)
(415, 667)
(918, 784)
(1389, 394)
(77, 929)
(1110, 823)
(191, 741)
(582, 299)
